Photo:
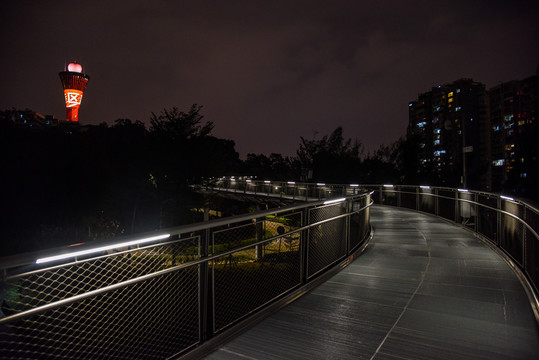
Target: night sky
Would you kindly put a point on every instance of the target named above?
(266, 72)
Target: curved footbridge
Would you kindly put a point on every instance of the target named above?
(423, 289)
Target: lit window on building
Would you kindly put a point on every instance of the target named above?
(450, 94)
(523, 175)
(508, 117)
(458, 108)
(439, 152)
(458, 90)
(421, 124)
(436, 142)
(437, 131)
(496, 128)
(498, 162)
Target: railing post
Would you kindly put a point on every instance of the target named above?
(456, 209)
(436, 202)
(524, 258)
(347, 225)
(205, 292)
(259, 230)
(499, 223)
(417, 198)
(476, 220)
(304, 246)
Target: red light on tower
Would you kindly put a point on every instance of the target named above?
(74, 82)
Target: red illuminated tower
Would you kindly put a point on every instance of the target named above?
(74, 82)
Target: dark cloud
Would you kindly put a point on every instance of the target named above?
(267, 72)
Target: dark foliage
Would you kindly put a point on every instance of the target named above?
(66, 183)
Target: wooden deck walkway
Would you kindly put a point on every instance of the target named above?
(423, 289)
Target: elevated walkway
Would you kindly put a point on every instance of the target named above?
(423, 289)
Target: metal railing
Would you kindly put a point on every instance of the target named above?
(508, 224)
(164, 293)
(286, 190)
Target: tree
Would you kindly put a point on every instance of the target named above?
(332, 158)
(176, 124)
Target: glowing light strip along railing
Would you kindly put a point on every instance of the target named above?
(101, 249)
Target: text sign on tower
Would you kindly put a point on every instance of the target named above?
(73, 97)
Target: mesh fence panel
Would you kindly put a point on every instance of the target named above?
(389, 197)
(466, 209)
(446, 204)
(260, 273)
(512, 232)
(359, 223)
(42, 287)
(408, 197)
(427, 201)
(532, 247)
(327, 241)
(233, 237)
(242, 286)
(487, 219)
(147, 320)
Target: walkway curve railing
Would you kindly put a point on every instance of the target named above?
(162, 294)
(508, 224)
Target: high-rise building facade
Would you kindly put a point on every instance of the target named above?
(451, 126)
(513, 109)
